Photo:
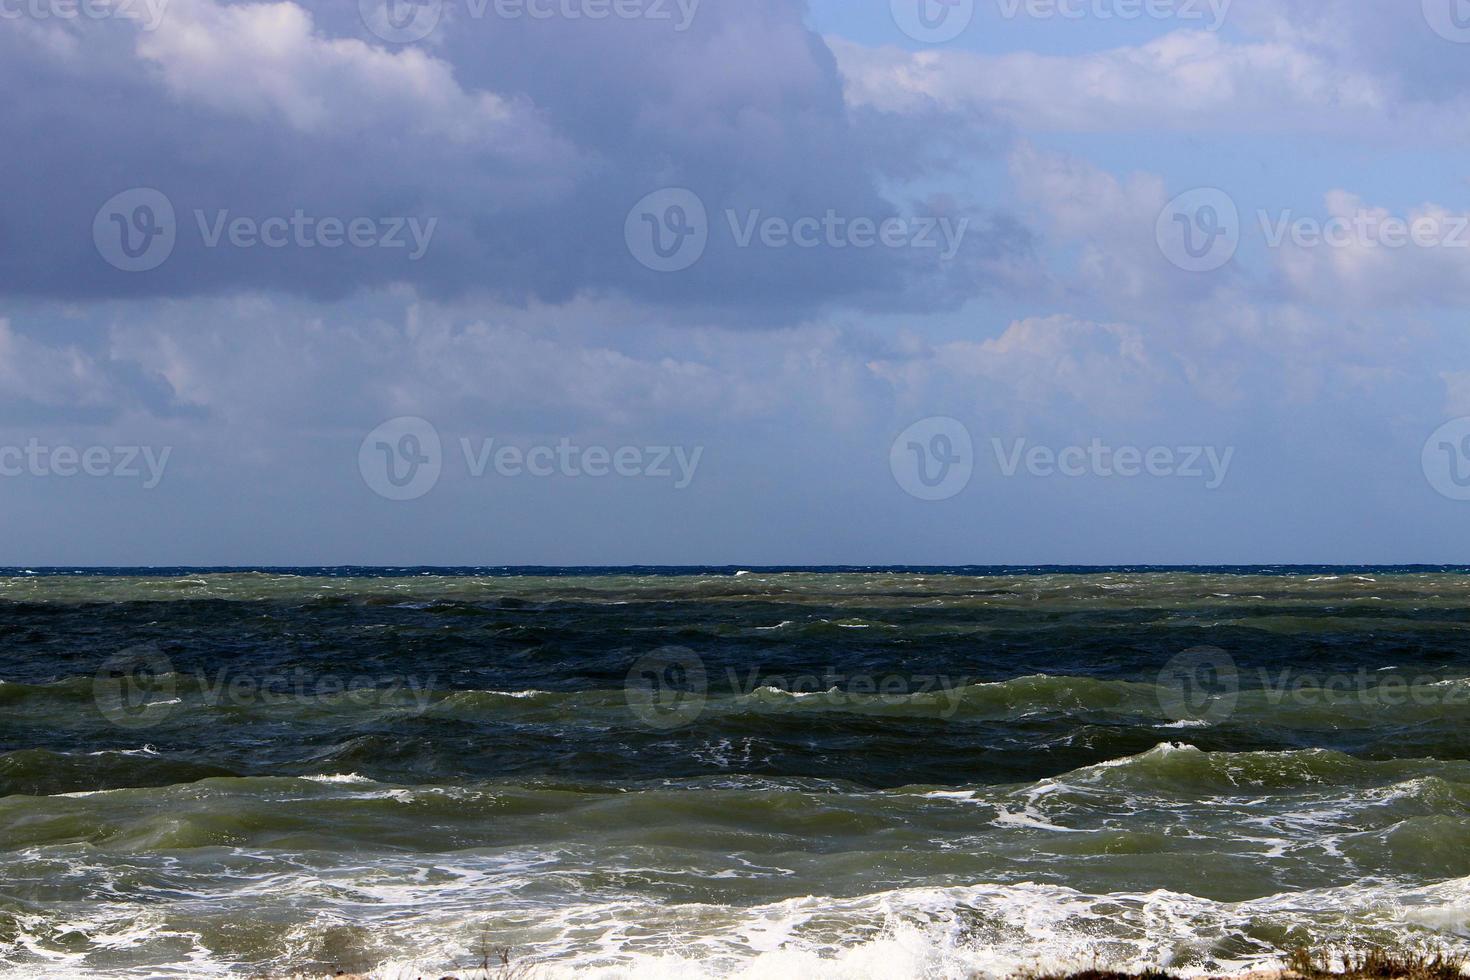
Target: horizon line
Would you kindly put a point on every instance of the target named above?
(36, 569)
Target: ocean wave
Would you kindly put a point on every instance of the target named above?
(42, 772)
(984, 930)
(735, 691)
(1317, 815)
(878, 774)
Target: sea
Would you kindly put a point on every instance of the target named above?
(728, 772)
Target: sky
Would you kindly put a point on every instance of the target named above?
(506, 282)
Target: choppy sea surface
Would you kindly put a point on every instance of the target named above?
(725, 772)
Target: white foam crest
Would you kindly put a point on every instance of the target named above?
(980, 931)
(341, 779)
(1031, 819)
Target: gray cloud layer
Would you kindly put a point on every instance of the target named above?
(524, 142)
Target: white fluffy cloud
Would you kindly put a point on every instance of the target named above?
(267, 61)
(1350, 254)
(45, 374)
(1188, 81)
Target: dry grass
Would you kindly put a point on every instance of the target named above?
(494, 963)
(497, 963)
(1379, 964)
(1372, 964)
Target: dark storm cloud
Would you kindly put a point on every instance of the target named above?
(497, 154)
